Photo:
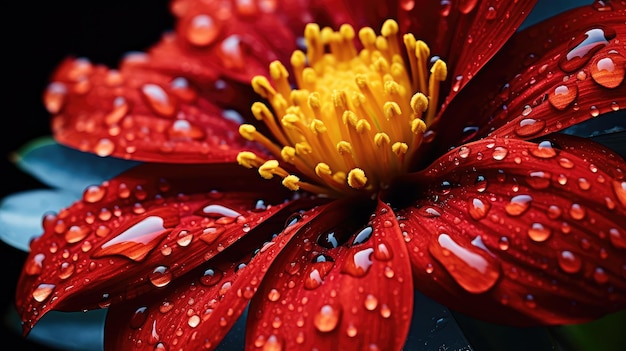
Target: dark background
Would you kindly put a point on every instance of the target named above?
(36, 37)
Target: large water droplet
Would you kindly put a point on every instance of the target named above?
(538, 179)
(618, 239)
(538, 232)
(138, 239)
(358, 262)
(608, 70)
(202, 30)
(211, 277)
(183, 130)
(518, 205)
(219, 211)
(42, 292)
(529, 126)
(478, 208)
(563, 95)
(581, 48)
(469, 269)
(160, 276)
(544, 149)
(620, 191)
(569, 262)
(327, 318)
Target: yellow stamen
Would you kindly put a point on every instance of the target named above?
(356, 119)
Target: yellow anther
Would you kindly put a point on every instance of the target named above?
(390, 27)
(391, 88)
(314, 101)
(418, 126)
(422, 52)
(261, 112)
(263, 87)
(288, 154)
(399, 148)
(347, 32)
(381, 44)
(270, 168)
(290, 121)
(367, 36)
(291, 182)
(344, 148)
(357, 178)
(381, 139)
(363, 126)
(303, 148)
(391, 110)
(317, 127)
(278, 71)
(419, 104)
(248, 159)
(322, 169)
(438, 73)
(349, 118)
(298, 59)
(309, 77)
(248, 131)
(340, 100)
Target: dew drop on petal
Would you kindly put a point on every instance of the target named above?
(104, 147)
(538, 179)
(543, 150)
(619, 187)
(569, 262)
(139, 317)
(358, 262)
(529, 126)
(202, 30)
(577, 212)
(600, 276)
(563, 95)
(273, 295)
(327, 318)
(371, 302)
(138, 240)
(499, 153)
(160, 276)
(42, 292)
(34, 265)
(54, 97)
(608, 71)
(211, 277)
(478, 208)
(518, 205)
(503, 243)
(618, 239)
(538, 232)
(472, 271)
(582, 48)
(94, 193)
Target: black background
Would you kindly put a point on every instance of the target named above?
(36, 37)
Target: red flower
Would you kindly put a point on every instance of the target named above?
(403, 166)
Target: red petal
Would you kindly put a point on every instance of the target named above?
(138, 114)
(531, 88)
(458, 31)
(200, 309)
(140, 230)
(352, 297)
(521, 233)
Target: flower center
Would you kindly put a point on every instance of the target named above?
(354, 120)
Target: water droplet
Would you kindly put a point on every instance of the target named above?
(211, 277)
(609, 70)
(581, 48)
(385, 311)
(217, 211)
(76, 233)
(538, 179)
(94, 193)
(491, 13)
(202, 30)
(530, 302)
(42, 292)
(370, 302)
(160, 276)
(554, 212)
(183, 130)
(470, 270)
(569, 262)
(584, 184)
(429, 211)
(544, 149)
(139, 317)
(466, 6)
(66, 270)
(104, 147)
(327, 318)
(478, 208)
(54, 97)
(518, 205)
(563, 95)
(273, 295)
(577, 212)
(503, 243)
(620, 191)
(358, 262)
(383, 252)
(529, 126)
(617, 238)
(138, 238)
(499, 153)
(600, 276)
(363, 235)
(464, 151)
(34, 265)
(480, 183)
(407, 5)
(538, 232)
